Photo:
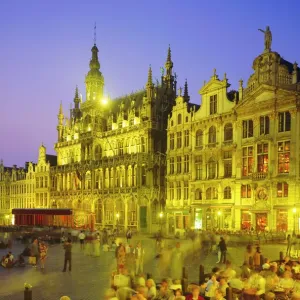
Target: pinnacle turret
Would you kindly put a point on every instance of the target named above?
(186, 92)
(149, 76)
(150, 84)
(169, 63)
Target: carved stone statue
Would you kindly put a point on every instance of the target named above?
(268, 38)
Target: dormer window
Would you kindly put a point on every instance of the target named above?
(213, 104)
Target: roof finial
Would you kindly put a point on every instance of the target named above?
(95, 33)
(180, 91)
(76, 92)
(61, 108)
(186, 92)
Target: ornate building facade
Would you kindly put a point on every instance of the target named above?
(111, 153)
(26, 187)
(233, 162)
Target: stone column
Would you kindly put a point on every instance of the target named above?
(103, 214)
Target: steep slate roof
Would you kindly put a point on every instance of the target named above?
(52, 159)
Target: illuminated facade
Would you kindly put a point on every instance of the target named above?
(25, 187)
(234, 162)
(111, 161)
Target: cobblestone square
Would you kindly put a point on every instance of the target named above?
(90, 275)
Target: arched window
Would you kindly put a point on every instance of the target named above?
(212, 168)
(212, 135)
(198, 194)
(211, 193)
(228, 132)
(87, 121)
(179, 119)
(227, 192)
(199, 138)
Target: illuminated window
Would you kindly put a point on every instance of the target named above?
(227, 192)
(212, 135)
(284, 157)
(282, 189)
(247, 160)
(172, 160)
(262, 158)
(171, 189)
(186, 138)
(284, 121)
(198, 167)
(246, 191)
(212, 168)
(172, 141)
(227, 160)
(228, 132)
(199, 138)
(178, 190)
(264, 125)
(185, 190)
(211, 193)
(247, 129)
(179, 140)
(186, 164)
(213, 104)
(198, 194)
(144, 176)
(179, 163)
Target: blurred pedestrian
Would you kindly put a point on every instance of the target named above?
(68, 255)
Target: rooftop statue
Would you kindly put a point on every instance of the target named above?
(268, 38)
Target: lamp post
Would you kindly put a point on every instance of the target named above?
(161, 215)
(219, 218)
(117, 216)
(294, 213)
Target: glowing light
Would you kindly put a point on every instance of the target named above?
(89, 128)
(6, 217)
(104, 100)
(75, 136)
(13, 220)
(117, 215)
(294, 210)
(161, 214)
(219, 213)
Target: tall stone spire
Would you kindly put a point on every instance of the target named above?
(76, 112)
(186, 96)
(60, 125)
(169, 78)
(169, 63)
(149, 85)
(94, 80)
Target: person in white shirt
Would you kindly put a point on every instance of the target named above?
(11, 257)
(151, 288)
(81, 237)
(258, 283)
(139, 258)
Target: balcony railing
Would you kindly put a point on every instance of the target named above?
(259, 175)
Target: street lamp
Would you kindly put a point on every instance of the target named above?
(294, 213)
(219, 218)
(117, 216)
(161, 215)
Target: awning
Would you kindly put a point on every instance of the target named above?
(42, 211)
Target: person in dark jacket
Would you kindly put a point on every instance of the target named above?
(68, 255)
(223, 250)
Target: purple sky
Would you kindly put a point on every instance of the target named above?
(45, 52)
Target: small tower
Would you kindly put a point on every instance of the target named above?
(60, 125)
(94, 80)
(76, 111)
(150, 85)
(42, 154)
(186, 96)
(169, 78)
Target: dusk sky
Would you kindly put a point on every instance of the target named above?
(45, 51)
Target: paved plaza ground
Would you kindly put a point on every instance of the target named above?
(90, 275)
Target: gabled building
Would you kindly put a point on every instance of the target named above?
(233, 162)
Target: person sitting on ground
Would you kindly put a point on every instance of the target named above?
(11, 257)
(223, 286)
(164, 291)
(211, 287)
(219, 295)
